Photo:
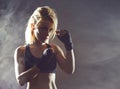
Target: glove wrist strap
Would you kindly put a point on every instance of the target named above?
(69, 46)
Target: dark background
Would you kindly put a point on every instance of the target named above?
(95, 30)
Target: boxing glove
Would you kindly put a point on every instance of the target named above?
(47, 62)
(65, 37)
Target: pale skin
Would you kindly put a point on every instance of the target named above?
(33, 77)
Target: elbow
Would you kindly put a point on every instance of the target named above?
(21, 81)
(21, 84)
(70, 72)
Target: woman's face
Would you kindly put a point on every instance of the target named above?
(42, 30)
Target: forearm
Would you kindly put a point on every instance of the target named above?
(28, 75)
(68, 65)
(70, 61)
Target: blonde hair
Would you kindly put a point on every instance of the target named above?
(46, 13)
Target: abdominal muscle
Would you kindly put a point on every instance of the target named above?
(43, 81)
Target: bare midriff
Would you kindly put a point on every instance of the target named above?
(43, 81)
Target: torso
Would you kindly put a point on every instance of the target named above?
(42, 80)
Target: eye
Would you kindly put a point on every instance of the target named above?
(45, 29)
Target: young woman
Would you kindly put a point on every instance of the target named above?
(35, 62)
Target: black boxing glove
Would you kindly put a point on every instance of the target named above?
(46, 63)
(65, 37)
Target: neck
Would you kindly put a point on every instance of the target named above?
(39, 43)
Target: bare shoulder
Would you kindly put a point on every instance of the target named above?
(19, 53)
(59, 53)
(56, 49)
(20, 49)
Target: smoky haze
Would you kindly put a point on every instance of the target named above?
(95, 30)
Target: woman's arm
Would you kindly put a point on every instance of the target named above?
(23, 76)
(66, 61)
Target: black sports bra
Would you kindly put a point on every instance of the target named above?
(46, 65)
